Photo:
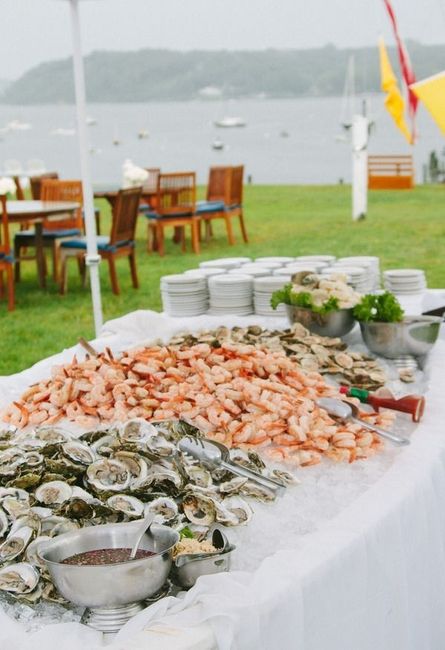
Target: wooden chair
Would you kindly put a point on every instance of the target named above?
(121, 241)
(224, 200)
(54, 232)
(6, 258)
(35, 183)
(175, 208)
(390, 172)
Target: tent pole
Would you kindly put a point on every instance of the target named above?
(92, 259)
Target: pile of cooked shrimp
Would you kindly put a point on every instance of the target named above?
(240, 395)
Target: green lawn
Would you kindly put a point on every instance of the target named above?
(403, 228)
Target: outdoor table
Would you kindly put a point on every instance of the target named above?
(369, 573)
(36, 212)
(110, 192)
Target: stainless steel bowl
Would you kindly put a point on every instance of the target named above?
(335, 323)
(113, 585)
(414, 336)
(186, 575)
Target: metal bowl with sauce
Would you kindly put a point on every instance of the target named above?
(109, 585)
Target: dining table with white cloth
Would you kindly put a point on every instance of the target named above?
(359, 564)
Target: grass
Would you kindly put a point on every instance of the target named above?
(403, 228)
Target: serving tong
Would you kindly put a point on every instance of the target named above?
(216, 455)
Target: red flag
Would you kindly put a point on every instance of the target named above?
(405, 63)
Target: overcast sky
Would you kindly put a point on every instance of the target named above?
(38, 30)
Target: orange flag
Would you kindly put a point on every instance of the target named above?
(394, 102)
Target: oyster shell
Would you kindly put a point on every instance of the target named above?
(164, 508)
(251, 489)
(109, 474)
(129, 505)
(53, 493)
(79, 452)
(15, 543)
(52, 435)
(239, 507)
(199, 509)
(4, 523)
(233, 486)
(137, 430)
(14, 507)
(20, 578)
(199, 475)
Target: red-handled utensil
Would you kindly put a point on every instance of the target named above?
(414, 405)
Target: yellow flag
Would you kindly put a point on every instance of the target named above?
(394, 102)
(431, 93)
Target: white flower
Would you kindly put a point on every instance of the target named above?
(133, 175)
(7, 186)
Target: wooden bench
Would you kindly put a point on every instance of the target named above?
(390, 172)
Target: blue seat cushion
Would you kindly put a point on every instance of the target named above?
(209, 206)
(50, 234)
(178, 215)
(103, 243)
(7, 258)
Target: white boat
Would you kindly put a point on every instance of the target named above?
(91, 121)
(16, 125)
(230, 122)
(63, 132)
(218, 145)
(143, 134)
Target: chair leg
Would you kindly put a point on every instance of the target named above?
(209, 230)
(17, 251)
(55, 255)
(160, 239)
(183, 243)
(133, 270)
(10, 282)
(195, 236)
(229, 228)
(113, 275)
(63, 284)
(243, 228)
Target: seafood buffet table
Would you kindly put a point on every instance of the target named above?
(353, 558)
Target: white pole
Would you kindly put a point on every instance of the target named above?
(92, 259)
(359, 167)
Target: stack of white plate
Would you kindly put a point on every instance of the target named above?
(285, 273)
(225, 263)
(205, 272)
(296, 267)
(356, 276)
(252, 270)
(278, 259)
(263, 290)
(231, 294)
(405, 281)
(316, 259)
(184, 295)
(368, 262)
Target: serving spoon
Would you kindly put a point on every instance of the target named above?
(142, 529)
(345, 411)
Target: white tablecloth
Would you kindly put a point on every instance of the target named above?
(372, 577)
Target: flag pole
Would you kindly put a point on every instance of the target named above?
(92, 259)
(360, 132)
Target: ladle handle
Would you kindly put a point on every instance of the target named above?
(397, 440)
(240, 470)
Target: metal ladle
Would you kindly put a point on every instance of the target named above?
(142, 529)
(337, 408)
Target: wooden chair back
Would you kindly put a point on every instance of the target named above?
(218, 186)
(176, 196)
(236, 186)
(56, 190)
(151, 184)
(36, 183)
(5, 244)
(390, 172)
(125, 214)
